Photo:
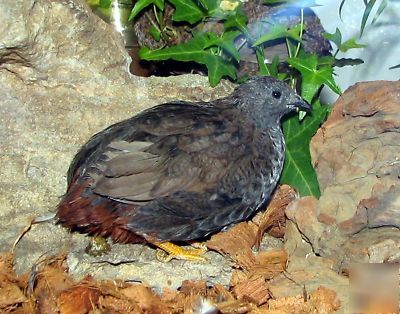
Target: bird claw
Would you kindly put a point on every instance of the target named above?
(168, 251)
(163, 256)
(201, 246)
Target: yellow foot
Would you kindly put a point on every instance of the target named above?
(170, 251)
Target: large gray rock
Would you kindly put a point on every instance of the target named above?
(63, 77)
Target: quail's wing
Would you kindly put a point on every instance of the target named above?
(171, 148)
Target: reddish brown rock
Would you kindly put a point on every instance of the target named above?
(356, 154)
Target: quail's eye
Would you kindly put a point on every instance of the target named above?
(276, 94)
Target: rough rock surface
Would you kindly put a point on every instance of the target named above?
(357, 157)
(63, 77)
(306, 272)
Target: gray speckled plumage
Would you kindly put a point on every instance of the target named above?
(180, 171)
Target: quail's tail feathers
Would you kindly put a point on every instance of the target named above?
(82, 210)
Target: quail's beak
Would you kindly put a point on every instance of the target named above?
(300, 105)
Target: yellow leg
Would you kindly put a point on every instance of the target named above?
(170, 251)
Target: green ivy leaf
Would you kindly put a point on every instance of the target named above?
(326, 61)
(186, 11)
(262, 66)
(217, 68)
(159, 4)
(141, 4)
(273, 68)
(155, 33)
(105, 4)
(280, 31)
(350, 44)
(298, 170)
(335, 37)
(226, 41)
(313, 75)
(238, 21)
(194, 50)
(210, 5)
(213, 9)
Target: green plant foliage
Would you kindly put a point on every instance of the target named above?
(210, 5)
(351, 44)
(226, 42)
(186, 10)
(214, 11)
(369, 5)
(199, 50)
(273, 69)
(278, 31)
(298, 171)
(155, 33)
(381, 8)
(238, 21)
(141, 4)
(368, 8)
(105, 4)
(314, 74)
(336, 38)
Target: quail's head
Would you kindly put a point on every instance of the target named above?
(266, 100)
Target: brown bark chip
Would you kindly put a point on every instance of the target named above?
(272, 219)
(236, 243)
(78, 300)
